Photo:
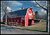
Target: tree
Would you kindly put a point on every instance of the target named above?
(36, 15)
(41, 6)
(47, 15)
(4, 9)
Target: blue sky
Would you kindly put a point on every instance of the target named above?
(17, 5)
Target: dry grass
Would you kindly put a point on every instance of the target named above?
(39, 26)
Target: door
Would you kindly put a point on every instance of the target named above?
(29, 22)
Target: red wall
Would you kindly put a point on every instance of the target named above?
(14, 20)
(27, 16)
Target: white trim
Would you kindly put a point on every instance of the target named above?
(29, 14)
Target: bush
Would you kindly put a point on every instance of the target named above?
(2, 23)
(36, 21)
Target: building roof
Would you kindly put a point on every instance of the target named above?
(19, 13)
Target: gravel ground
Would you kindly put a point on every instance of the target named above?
(7, 30)
(18, 31)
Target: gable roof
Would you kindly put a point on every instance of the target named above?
(19, 13)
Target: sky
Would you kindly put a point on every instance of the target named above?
(17, 5)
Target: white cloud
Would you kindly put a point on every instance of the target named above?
(8, 9)
(33, 1)
(42, 12)
(37, 5)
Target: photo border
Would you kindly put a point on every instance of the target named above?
(48, 14)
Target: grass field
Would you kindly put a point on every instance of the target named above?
(41, 26)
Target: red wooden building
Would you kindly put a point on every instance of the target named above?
(24, 17)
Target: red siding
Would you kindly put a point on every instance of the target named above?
(27, 16)
(14, 20)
